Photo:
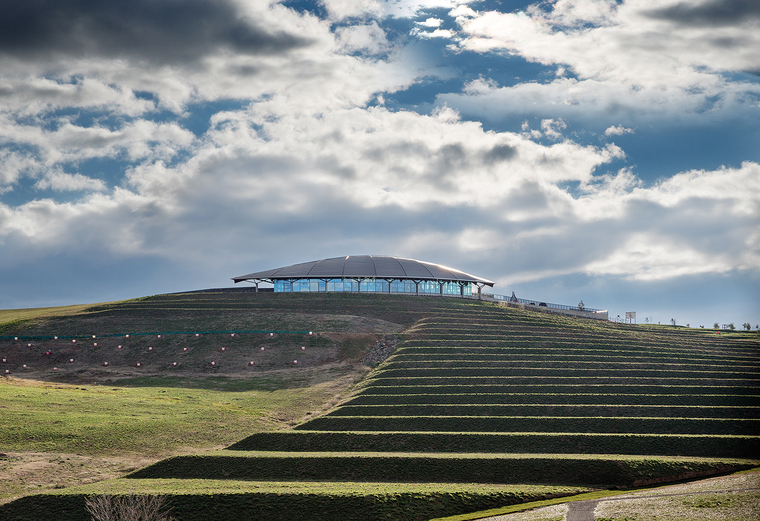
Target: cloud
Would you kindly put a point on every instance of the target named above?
(63, 182)
(618, 130)
(430, 22)
(158, 31)
(553, 129)
(625, 60)
(710, 13)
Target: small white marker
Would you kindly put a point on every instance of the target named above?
(127, 336)
(138, 364)
(262, 348)
(184, 349)
(55, 368)
(223, 348)
(174, 364)
(55, 338)
(303, 348)
(159, 336)
(105, 363)
(295, 361)
(252, 363)
(150, 349)
(213, 363)
(93, 336)
(95, 344)
(71, 360)
(119, 347)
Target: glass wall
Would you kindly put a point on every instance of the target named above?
(373, 286)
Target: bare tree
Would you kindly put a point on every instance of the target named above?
(673, 321)
(128, 508)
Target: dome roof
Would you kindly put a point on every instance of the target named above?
(365, 267)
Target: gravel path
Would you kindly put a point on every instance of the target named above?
(584, 510)
(581, 511)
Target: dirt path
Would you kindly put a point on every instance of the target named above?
(581, 511)
(736, 496)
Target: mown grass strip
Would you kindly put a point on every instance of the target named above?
(556, 410)
(731, 400)
(554, 379)
(436, 468)
(370, 387)
(229, 500)
(525, 443)
(744, 427)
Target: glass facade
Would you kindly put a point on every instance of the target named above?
(374, 286)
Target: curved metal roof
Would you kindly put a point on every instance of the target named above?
(365, 266)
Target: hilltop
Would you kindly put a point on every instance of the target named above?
(528, 405)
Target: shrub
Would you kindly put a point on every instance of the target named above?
(127, 508)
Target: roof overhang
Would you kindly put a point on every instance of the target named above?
(366, 267)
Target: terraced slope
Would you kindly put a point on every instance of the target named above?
(517, 372)
(493, 395)
(540, 404)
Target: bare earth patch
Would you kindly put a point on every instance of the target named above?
(24, 473)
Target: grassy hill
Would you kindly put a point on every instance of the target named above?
(527, 405)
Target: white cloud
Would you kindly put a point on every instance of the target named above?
(553, 129)
(431, 22)
(626, 60)
(63, 182)
(438, 33)
(618, 130)
(309, 165)
(369, 37)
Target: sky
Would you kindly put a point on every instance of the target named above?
(597, 150)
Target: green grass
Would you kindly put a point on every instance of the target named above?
(97, 420)
(559, 443)
(713, 400)
(547, 469)
(591, 424)
(548, 365)
(549, 410)
(224, 500)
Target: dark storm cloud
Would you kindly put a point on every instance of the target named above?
(154, 30)
(712, 13)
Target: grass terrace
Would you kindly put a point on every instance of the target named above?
(526, 405)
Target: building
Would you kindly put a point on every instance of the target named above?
(370, 274)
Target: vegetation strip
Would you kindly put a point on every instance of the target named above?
(156, 333)
(448, 468)
(524, 443)
(228, 500)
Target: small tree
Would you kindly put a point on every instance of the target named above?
(673, 321)
(127, 508)
(747, 326)
(731, 326)
(716, 326)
